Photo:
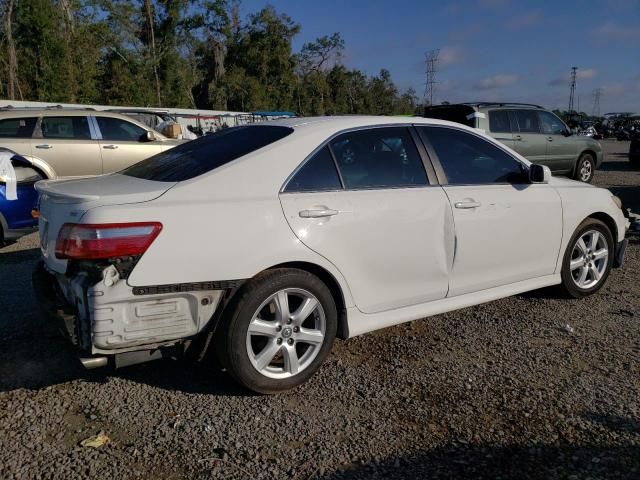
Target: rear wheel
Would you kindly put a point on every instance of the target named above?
(585, 168)
(278, 331)
(587, 260)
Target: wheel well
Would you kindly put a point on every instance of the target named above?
(333, 286)
(609, 222)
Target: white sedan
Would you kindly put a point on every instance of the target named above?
(263, 243)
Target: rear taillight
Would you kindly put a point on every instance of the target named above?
(78, 241)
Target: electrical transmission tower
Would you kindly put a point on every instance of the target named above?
(573, 89)
(597, 93)
(431, 68)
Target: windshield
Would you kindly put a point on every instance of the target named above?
(202, 155)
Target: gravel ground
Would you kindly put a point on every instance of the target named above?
(531, 386)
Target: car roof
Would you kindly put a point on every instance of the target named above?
(57, 112)
(331, 124)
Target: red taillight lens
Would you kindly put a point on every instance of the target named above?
(90, 241)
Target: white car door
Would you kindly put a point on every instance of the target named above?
(507, 230)
(375, 217)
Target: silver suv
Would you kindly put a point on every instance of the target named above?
(76, 142)
(530, 130)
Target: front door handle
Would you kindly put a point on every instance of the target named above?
(467, 204)
(46, 147)
(517, 137)
(550, 139)
(327, 212)
(111, 147)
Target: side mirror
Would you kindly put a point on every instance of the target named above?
(539, 173)
(147, 136)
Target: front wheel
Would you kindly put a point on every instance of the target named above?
(278, 331)
(585, 168)
(587, 260)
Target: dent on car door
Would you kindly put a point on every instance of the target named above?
(364, 203)
(507, 230)
(123, 143)
(66, 144)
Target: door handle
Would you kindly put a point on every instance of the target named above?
(110, 147)
(550, 139)
(46, 147)
(517, 137)
(469, 204)
(328, 212)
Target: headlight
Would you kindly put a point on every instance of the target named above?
(617, 201)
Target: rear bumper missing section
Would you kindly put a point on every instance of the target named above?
(106, 320)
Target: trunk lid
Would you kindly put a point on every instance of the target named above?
(66, 201)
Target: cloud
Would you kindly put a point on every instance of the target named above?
(450, 56)
(613, 31)
(581, 74)
(524, 21)
(497, 81)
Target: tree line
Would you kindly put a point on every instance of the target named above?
(181, 53)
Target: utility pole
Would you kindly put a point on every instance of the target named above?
(597, 93)
(431, 68)
(573, 89)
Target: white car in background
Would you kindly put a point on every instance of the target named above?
(265, 242)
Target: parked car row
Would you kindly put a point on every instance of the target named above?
(535, 133)
(311, 229)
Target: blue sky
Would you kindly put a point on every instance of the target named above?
(489, 49)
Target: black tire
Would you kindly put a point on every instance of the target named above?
(585, 168)
(569, 285)
(231, 338)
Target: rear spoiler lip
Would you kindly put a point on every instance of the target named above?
(48, 187)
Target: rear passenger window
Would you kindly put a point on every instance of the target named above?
(470, 160)
(379, 157)
(318, 174)
(17, 127)
(76, 127)
(528, 121)
(499, 121)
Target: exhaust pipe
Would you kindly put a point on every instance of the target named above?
(94, 362)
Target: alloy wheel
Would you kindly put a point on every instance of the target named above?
(589, 259)
(286, 333)
(586, 170)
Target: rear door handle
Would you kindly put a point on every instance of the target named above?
(517, 137)
(328, 212)
(111, 147)
(470, 204)
(44, 146)
(550, 139)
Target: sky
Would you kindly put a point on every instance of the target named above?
(490, 50)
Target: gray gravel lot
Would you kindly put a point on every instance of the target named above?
(532, 386)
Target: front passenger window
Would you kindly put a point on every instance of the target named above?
(470, 160)
(116, 129)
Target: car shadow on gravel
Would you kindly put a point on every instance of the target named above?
(505, 462)
(617, 165)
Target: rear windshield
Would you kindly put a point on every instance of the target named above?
(202, 155)
(452, 113)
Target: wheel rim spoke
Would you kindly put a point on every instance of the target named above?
(595, 236)
(600, 254)
(313, 337)
(595, 273)
(264, 358)
(306, 309)
(582, 246)
(583, 275)
(291, 361)
(281, 301)
(263, 328)
(576, 263)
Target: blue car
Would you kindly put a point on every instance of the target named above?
(16, 218)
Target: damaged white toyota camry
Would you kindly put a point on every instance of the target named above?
(263, 243)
